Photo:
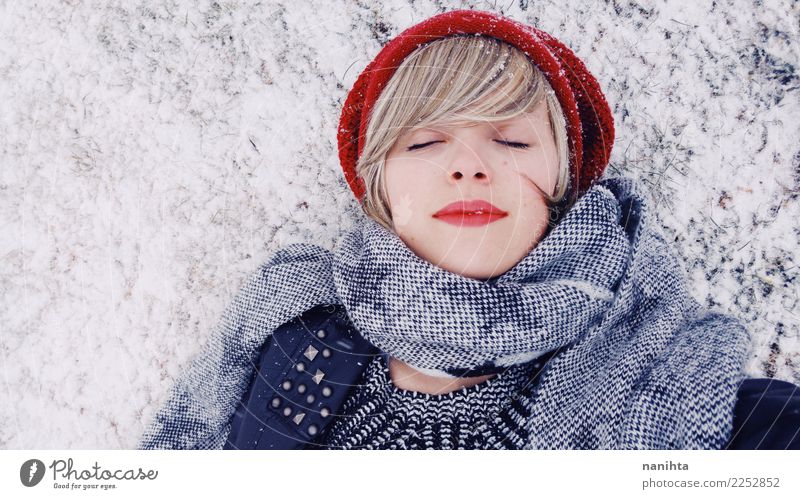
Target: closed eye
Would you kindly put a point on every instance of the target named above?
(516, 145)
(420, 146)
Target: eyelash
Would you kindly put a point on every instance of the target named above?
(516, 145)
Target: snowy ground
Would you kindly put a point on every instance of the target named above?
(154, 153)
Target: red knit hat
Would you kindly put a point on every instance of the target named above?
(590, 125)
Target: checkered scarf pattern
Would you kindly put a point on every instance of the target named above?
(446, 324)
(640, 363)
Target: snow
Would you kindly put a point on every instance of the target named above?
(152, 157)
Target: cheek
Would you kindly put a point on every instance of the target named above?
(540, 169)
(405, 184)
(397, 180)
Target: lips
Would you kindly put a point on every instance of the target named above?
(470, 213)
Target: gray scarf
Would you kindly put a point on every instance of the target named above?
(640, 363)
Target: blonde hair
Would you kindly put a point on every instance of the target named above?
(437, 83)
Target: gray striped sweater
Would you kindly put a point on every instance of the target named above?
(379, 415)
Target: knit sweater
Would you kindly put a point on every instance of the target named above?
(379, 415)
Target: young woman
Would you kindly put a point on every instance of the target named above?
(498, 294)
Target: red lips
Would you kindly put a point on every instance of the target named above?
(470, 213)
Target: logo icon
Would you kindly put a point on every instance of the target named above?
(402, 212)
(31, 472)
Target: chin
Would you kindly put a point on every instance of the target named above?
(476, 264)
(479, 272)
(475, 252)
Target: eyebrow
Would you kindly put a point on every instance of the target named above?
(509, 124)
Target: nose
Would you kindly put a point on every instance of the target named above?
(466, 162)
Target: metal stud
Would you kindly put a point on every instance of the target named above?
(324, 412)
(276, 402)
(321, 333)
(300, 367)
(326, 352)
(318, 376)
(287, 385)
(299, 417)
(301, 388)
(310, 352)
(312, 430)
(310, 398)
(287, 411)
(326, 390)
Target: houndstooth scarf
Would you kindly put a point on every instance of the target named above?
(640, 363)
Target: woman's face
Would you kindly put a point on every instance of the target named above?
(495, 168)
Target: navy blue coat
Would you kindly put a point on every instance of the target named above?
(304, 372)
